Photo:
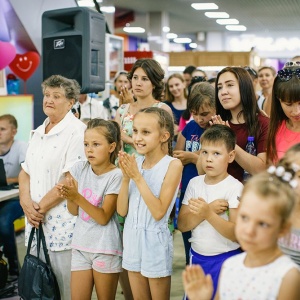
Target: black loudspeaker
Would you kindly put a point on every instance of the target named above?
(73, 45)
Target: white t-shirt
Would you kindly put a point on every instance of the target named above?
(48, 157)
(206, 240)
(92, 108)
(261, 283)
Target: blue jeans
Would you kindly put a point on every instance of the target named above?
(10, 210)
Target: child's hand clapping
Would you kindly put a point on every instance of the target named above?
(128, 165)
(68, 190)
(196, 284)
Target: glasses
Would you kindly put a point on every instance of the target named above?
(251, 71)
(287, 74)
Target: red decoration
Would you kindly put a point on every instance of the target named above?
(25, 64)
(7, 54)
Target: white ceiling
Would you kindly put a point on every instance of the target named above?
(268, 16)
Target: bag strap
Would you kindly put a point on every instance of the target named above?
(41, 238)
(30, 239)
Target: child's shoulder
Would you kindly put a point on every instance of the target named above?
(233, 180)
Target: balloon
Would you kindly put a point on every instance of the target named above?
(25, 64)
(7, 54)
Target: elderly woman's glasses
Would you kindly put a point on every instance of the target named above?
(287, 74)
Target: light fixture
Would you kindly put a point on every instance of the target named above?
(134, 29)
(166, 29)
(171, 35)
(227, 21)
(182, 40)
(236, 27)
(108, 9)
(193, 45)
(204, 6)
(217, 15)
(86, 3)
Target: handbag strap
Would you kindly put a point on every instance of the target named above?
(40, 238)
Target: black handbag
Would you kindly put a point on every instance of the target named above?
(36, 279)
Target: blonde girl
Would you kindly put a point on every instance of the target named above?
(262, 271)
(290, 243)
(147, 196)
(91, 191)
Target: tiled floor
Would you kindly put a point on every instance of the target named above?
(178, 266)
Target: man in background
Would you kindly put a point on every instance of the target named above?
(91, 108)
(12, 152)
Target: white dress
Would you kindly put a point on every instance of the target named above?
(261, 283)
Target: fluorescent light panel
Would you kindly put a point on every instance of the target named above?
(217, 15)
(134, 29)
(182, 40)
(108, 9)
(204, 6)
(171, 35)
(86, 3)
(227, 21)
(236, 27)
(193, 45)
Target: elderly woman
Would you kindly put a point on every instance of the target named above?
(53, 149)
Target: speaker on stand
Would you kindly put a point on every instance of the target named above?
(73, 45)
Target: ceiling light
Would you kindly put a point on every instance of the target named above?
(166, 29)
(236, 27)
(193, 45)
(217, 15)
(86, 3)
(227, 21)
(204, 6)
(182, 40)
(134, 29)
(171, 35)
(108, 9)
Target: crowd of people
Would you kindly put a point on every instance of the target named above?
(104, 183)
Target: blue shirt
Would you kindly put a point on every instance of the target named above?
(192, 133)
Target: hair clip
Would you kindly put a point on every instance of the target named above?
(282, 174)
(287, 74)
(292, 63)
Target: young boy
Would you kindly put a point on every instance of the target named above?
(201, 105)
(212, 222)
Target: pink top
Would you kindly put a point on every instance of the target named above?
(285, 138)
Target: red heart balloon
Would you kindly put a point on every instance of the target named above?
(25, 64)
(7, 54)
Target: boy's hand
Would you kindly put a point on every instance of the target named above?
(199, 207)
(219, 206)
